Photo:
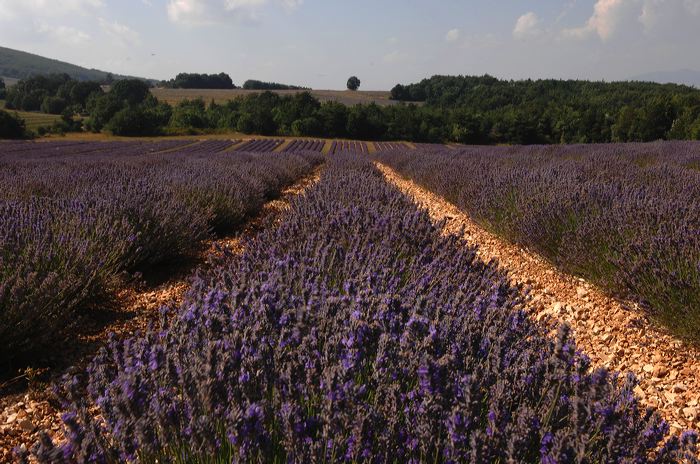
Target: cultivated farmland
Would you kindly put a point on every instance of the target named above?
(366, 319)
(34, 120)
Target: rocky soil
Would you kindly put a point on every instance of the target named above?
(613, 333)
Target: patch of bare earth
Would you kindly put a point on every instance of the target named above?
(614, 334)
(26, 402)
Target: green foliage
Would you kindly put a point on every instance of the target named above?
(78, 92)
(252, 84)
(555, 111)
(53, 105)
(131, 91)
(11, 126)
(307, 126)
(257, 113)
(365, 122)
(291, 109)
(353, 83)
(3, 89)
(50, 94)
(101, 107)
(333, 118)
(190, 114)
(135, 121)
(200, 81)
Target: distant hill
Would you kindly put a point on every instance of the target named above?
(683, 76)
(19, 65)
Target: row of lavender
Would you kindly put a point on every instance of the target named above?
(39, 150)
(260, 145)
(626, 216)
(70, 224)
(354, 331)
(305, 145)
(348, 146)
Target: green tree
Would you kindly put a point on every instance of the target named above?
(101, 107)
(190, 114)
(134, 121)
(53, 105)
(307, 127)
(333, 117)
(133, 91)
(11, 126)
(292, 108)
(353, 83)
(3, 89)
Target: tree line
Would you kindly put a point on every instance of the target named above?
(200, 81)
(488, 110)
(252, 84)
(221, 81)
(479, 110)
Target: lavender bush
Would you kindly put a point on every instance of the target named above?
(626, 216)
(353, 332)
(71, 223)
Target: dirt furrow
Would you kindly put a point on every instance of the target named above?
(30, 408)
(614, 334)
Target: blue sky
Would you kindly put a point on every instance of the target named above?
(319, 43)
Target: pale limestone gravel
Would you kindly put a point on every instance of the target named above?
(23, 416)
(614, 334)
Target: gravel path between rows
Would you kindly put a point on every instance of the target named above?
(24, 414)
(614, 334)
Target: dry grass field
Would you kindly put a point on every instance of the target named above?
(220, 96)
(9, 81)
(33, 120)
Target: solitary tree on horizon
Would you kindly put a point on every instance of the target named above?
(353, 83)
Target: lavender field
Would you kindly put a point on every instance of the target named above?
(354, 328)
(321, 343)
(626, 216)
(74, 216)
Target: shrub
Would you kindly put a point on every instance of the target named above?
(11, 126)
(53, 105)
(133, 121)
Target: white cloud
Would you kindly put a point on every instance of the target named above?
(197, 12)
(395, 57)
(63, 34)
(291, 5)
(693, 6)
(527, 26)
(661, 13)
(187, 11)
(234, 5)
(452, 35)
(607, 15)
(12, 9)
(120, 33)
(611, 16)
